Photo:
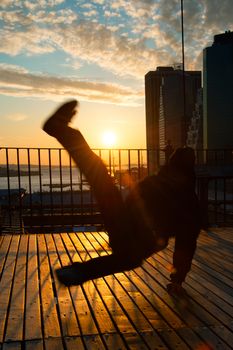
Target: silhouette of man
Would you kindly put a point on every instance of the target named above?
(156, 208)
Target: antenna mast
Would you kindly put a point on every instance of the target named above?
(183, 72)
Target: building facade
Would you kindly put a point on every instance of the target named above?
(195, 130)
(218, 93)
(168, 110)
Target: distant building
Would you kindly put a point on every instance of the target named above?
(218, 92)
(166, 118)
(195, 130)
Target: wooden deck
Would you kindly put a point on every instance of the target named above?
(125, 311)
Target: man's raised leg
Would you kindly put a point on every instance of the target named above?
(106, 193)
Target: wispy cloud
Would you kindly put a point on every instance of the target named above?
(15, 81)
(17, 117)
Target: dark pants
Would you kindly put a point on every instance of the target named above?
(184, 250)
(128, 250)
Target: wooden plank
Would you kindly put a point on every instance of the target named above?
(210, 340)
(53, 344)
(155, 286)
(222, 271)
(225, 233)
(161, 302)
(112, 305)
(12, 346)
(170, 337)
(204, 262)
(34, 345)
(32, 312)
(205, 319)
(15, 321)
(98, 303)
(6, 283)
(130, 309)
(140, 293)
(211, 267)
(135, 295)
(219, 307)
(208, 246)
(210, 296)
(157, 282)
(209, 314)
(114, 341)
(48, 299)
(200, 276)
(154, 308)
(223, 334)
(188, 335)
(67, 312)
(6, 240)
(83, 311)
(199, 311)
(209, 243)
(94, 342)
(134, 342)
(225, 271)
(101, 316)
(74, 343)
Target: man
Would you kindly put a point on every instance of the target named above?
(157, 208)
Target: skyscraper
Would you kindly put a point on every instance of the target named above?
(218, 92)
(168, 109)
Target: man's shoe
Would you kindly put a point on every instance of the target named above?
(61, 117)
(176, 289)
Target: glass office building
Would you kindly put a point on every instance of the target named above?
(218, 92)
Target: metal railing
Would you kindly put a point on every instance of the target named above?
(42, 190)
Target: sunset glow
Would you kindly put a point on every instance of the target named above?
(109, 139)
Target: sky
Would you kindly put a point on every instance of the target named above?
(97, 52)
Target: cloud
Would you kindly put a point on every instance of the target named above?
(99, 2)
(87, 6)
(133, 38)
(15, 81)
(92, 42)
(16, 117)
(18, 17)
(34, 41)
(101, 45)
(90, 13)
(6, 3)
(30, 4)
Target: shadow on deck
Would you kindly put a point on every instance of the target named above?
(126, 311)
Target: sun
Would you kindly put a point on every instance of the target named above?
(109, 138)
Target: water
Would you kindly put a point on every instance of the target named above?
(50, 177)
(45, 178)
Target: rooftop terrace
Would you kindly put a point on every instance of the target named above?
(124, 311)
